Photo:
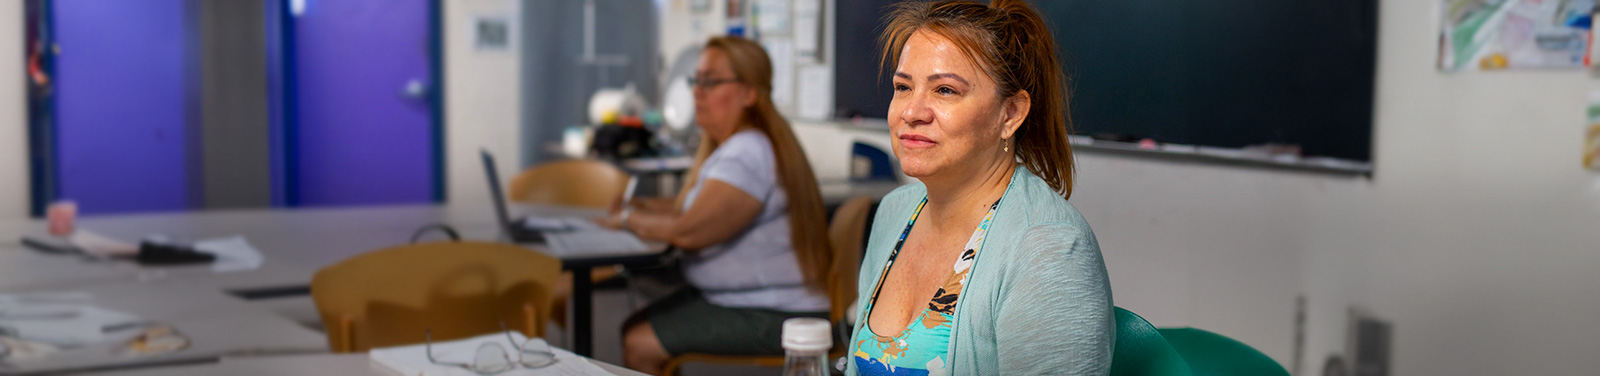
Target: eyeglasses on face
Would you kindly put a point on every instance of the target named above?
(705, 83)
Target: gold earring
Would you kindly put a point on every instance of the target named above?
(1005, 145)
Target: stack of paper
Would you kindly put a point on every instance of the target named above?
(63, 319)
(413, 360)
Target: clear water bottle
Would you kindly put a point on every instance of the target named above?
(806, 342)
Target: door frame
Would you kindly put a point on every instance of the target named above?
(41, 107)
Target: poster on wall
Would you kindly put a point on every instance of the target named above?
(772, 16)
(1514, 34)
(808, 30)
(781, 51)
(491, 33)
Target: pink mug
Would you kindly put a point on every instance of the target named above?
(60, 216)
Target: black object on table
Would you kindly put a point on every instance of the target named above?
(159, 253)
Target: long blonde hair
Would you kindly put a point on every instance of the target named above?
(808, 221)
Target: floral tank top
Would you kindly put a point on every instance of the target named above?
(923, 347)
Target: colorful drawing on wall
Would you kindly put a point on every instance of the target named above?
(1591, 139)
(1514, 34)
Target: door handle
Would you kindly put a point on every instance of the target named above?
(415, 89)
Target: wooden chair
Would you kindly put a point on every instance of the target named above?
(392, 296)
(575, 182)
(585, 183)
(846, 233)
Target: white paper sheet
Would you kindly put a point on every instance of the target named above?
(808, 29)
(773, 16)
(815, 92)
(62, 319)
(233, 254)
(782, 52)
(413, 360)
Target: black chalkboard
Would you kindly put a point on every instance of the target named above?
(1223, 73)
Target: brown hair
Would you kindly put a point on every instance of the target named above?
(1011, 43)
(808, 221)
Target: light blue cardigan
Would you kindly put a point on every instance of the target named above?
(1038, 300)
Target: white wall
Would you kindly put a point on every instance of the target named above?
(1191, 244)
(1479, 235)
(1476, 237)
(14, 195)
(481, 100)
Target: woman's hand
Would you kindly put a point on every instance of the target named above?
(616, 206)
(611, 221)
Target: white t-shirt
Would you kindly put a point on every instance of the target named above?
(757, 267)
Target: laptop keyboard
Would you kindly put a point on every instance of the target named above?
(596, 241)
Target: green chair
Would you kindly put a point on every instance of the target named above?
(1212, 354)
(1141, 350)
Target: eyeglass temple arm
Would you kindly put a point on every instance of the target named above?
(509, 338)
(428, 338)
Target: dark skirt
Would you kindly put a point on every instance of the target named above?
(686, 322)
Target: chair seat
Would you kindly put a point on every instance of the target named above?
(1213, 354)
(1142, 351)
(395, 296)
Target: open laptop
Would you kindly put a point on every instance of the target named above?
(518, 234)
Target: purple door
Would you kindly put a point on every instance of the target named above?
(363, 131)
(120, 109)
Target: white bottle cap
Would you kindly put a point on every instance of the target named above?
(807, 334)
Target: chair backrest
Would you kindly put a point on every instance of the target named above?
(845, 234)
(1141, 350)
(391, 296)
(575, 182)
(1209, 354)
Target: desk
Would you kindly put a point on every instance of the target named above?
(317, 364)
(215, 323)
(583, 293)
(296, 244)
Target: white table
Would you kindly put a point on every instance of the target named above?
(317, 364)
(295, 243)
(215, 323)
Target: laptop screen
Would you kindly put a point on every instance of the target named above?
(495, 193)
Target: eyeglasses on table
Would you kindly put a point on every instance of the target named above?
(491, 357)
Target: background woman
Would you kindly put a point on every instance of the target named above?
(751, 223)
